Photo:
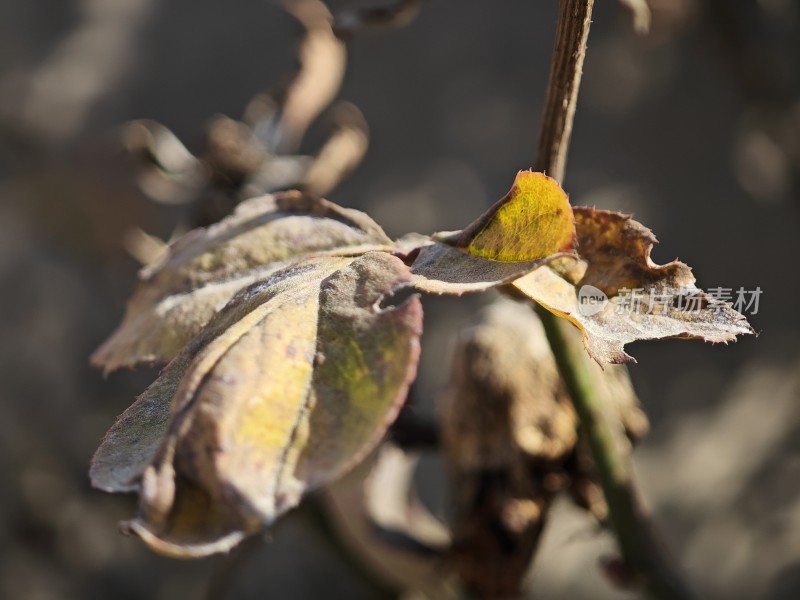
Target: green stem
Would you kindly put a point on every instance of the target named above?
(645, 558)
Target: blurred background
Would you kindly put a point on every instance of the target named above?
(695, 129)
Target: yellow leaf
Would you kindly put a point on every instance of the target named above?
(533, 221)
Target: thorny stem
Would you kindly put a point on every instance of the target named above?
(642, 552)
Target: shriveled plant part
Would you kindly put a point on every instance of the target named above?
(511, 444)
(260, 152)
(289, 356)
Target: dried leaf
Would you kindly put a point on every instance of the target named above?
(169, 172)
(617, 295)
(507, 427)
(398, 14)
(394, 509)
(285, 389)
(511, 443)
(442, 269)
(341, 153)
(640, 14)
(206, 267)
(323, 57)
(531, 222)
(133, 441)
(505, 398)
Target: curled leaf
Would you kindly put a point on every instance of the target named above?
(505, 399)
(640, 13)
(376, 512)
(134, 440)
(398, 14)
(341, 153)
(169, 172)
(323, 58)
(394, 509)
(616, 294)
(284, 390)
(528, 227)
(531, 222)
(206, 267)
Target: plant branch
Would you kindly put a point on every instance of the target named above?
(566, 68)
(645, 558)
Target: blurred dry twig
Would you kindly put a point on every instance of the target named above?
(398, 14)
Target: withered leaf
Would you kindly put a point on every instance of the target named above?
(507, 426)
(206, 267)
(510, 440)
(616, 294)
(505, 399)
(376, 511)
(133, 441)
(290, 385)
(442, 269)
(528, 227)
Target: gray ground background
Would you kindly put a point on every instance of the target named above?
(695, 129)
